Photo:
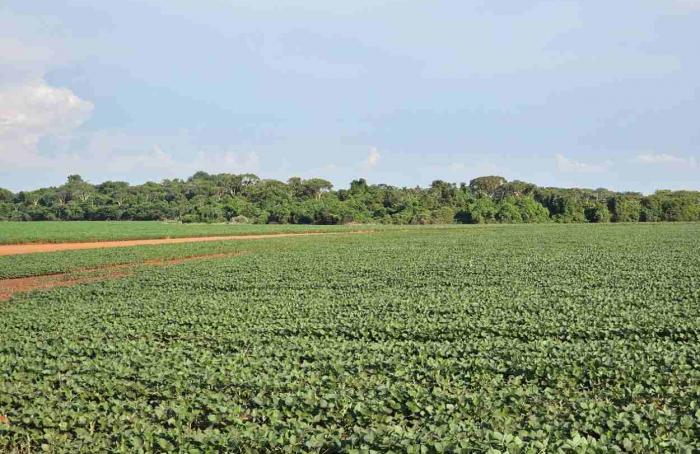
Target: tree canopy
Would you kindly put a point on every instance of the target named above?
(246, 198)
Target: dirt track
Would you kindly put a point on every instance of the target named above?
(16, 249)
(9, 287)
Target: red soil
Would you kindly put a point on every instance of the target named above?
(15, 249)
(9, 287)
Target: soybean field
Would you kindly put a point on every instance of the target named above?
(88, 231)
(496, 339)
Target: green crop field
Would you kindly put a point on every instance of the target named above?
(86, 231)
(504, 339)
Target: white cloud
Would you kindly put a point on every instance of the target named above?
(664, 158)
(374, 157)
(372, 161)
(120, 153)
(157, 159)
(457, 167)
(692, 4)
(33, 44)
(36, 111)
(227, 162)
(32, 111)
(480, 167)
(568, 165)
(331, 167)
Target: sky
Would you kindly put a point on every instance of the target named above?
(569, 93)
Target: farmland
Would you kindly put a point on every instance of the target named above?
(65, 232)
(496, 339)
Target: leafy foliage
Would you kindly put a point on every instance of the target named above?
(217, 198)
(531, 339)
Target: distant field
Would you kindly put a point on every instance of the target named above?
(16, 266)
(85, 231)
(503, 339)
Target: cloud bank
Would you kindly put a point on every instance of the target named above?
(568, 165)
(372, 161)
(32, 111)
(664, 158)
(36, 111)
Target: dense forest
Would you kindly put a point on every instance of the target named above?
(249, 199)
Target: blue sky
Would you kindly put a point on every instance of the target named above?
(559, 93)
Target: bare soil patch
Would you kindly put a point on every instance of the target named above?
(15, 249)
(27, 284)
(9, 287)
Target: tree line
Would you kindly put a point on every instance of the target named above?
(247, 199)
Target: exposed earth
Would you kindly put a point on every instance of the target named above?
(16, 249)
(9, 287)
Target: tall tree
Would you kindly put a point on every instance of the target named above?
(487, 185)
(6, 196)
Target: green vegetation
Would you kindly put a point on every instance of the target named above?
(57, 232)
(25, 265)
(16, 266)
(246, 199)
(532, 339)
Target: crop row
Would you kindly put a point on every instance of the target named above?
(85, 231)
(38, 264)
(522, 340)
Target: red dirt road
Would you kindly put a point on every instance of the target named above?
(8, 287)
(16, 249)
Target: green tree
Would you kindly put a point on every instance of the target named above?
(598, 213)
(316, 187)
(6, 196)
(508, 212)
(78, 189)
(624, 208)
(487, 185)
(205, 197)
(531, 211)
